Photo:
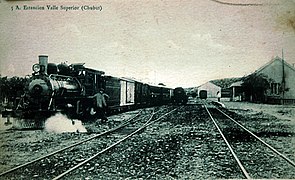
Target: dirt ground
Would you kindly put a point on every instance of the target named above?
(282, 112)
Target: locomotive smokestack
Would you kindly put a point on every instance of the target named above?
(43, 61)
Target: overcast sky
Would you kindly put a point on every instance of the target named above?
(176, 42)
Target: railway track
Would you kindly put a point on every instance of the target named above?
(180, 146)
(124, 123)
(228, 128)
(56, 163)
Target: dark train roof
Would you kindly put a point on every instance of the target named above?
(79, 66)
(94, 71)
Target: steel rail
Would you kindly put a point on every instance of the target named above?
(73, 145)
(149, 122)
(246, 174)
(263, 142)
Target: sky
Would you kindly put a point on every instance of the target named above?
(176, 42)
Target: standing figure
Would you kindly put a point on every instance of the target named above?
(218, 96)
(101, 105)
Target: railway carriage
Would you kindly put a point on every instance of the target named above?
(113, 90)
(127, 96)
(142, 92)
(155, 95)
(160, 95)
(166, 95)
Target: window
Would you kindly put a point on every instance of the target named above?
(274, 88)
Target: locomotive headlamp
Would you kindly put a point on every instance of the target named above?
(36, 67)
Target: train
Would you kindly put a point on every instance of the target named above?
(69, 89)
(179, 96)
(203, 94)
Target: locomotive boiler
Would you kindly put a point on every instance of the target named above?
(47, 87)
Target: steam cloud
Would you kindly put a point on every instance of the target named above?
(60, 123)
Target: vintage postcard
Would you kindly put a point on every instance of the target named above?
(72, 70)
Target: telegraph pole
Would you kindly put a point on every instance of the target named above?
(283, 76)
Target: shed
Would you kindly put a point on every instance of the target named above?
(211, 89)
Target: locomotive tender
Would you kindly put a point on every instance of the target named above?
(69, 89)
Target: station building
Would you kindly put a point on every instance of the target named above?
(282, 83)
(282, 87)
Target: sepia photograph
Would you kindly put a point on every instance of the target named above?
(147, 89)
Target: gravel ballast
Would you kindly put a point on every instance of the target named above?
(183, 145)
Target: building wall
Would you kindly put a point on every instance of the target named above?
(275, 72)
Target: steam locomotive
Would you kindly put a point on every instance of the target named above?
(70, 88)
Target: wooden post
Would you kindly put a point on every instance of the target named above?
(233, 93)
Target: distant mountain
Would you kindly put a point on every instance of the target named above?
(226, 82)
